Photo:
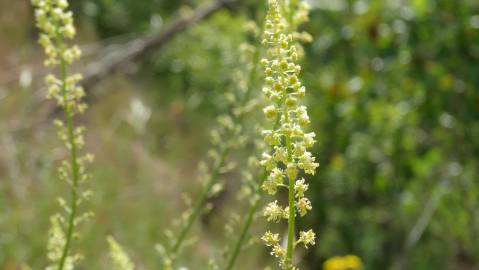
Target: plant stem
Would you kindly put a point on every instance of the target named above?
(249, 217)
(291, 223)
(291, 202)
(200, 202)
(254, 206)
(291, 191)
(73, 163)
(246, 225)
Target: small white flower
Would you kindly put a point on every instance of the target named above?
(270, 238)
(300, 188)
(283, 91)
(303, 205)
(307, 238)
(273, 212)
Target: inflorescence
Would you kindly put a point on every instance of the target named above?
(56, 27)
(118, 257)
(289, 141)
(285, 163)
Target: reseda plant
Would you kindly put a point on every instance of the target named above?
(245, 79)
(56, 25)
(253, 177)
(289, 156)
(227, 136)
(287, 139)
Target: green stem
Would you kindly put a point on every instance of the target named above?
(253, 208)
(200, 202)
(291, 200)
(291, 203)
(246, 225)
(291, 192)
(291, 223)
(74, 167)
(249, 217)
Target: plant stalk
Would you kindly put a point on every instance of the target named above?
(73, 163)
(246, 225)
(249, 217)
(291, 201)
(201, 202)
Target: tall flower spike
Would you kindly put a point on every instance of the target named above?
(289, 157)
(56, 27)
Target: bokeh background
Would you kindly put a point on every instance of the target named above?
(393, 96)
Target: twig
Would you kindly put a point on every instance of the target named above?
(421, 224)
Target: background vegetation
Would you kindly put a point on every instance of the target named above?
(393, 96)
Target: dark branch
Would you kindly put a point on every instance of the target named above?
(138, 48)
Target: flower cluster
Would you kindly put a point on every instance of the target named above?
(288, 140)
(56, 243)
(119, 258)
(272, 240)
(56, 27)
(56, 24)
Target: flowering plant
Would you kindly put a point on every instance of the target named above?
(289, 141)
(56, 25)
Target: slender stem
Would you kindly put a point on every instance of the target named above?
(291, 192)
(249, 217)
(202, 199)
(246, 225)
(291, 201)
(254, 206)
(252, 210)
(200, 202)
(244, 230)
(291, 223)
(73, 163)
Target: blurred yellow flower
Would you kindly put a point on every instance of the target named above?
(348, 262)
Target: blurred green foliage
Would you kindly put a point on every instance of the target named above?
(396, 103)
(394, 99)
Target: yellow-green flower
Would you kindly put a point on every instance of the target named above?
(55, 22)
(289, 157)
